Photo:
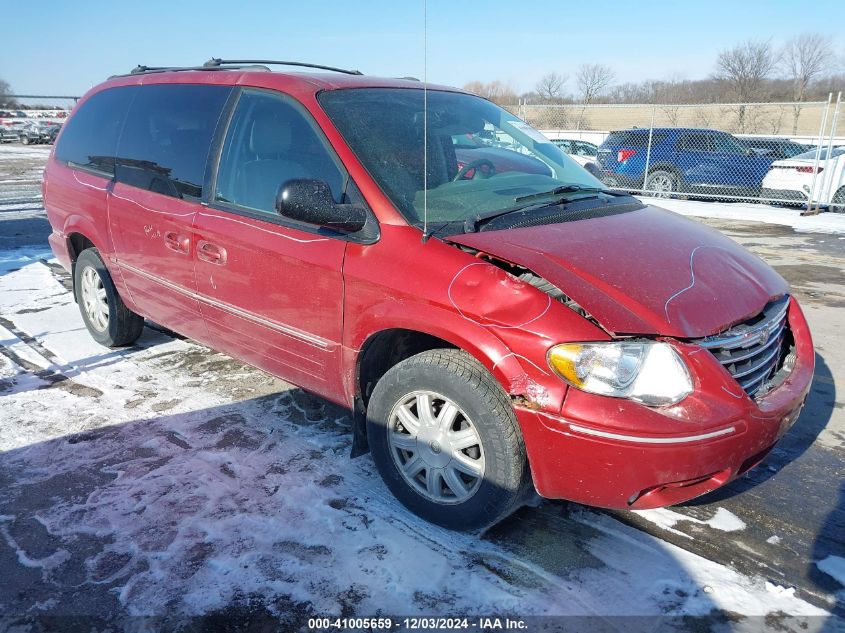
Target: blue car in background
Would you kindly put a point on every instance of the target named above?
(681, 160)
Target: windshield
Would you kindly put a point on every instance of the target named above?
(837, 151)
(481, 158)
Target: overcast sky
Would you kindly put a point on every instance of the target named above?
(59, 47)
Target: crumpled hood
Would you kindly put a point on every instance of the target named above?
(643, 272)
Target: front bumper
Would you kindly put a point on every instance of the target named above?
(614, 453)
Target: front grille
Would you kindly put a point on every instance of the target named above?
(754, 351)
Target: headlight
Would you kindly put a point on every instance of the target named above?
(648, 372)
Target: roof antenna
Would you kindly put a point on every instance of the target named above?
(425, 234)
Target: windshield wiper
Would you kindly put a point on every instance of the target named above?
(471, 224)
(557, 191)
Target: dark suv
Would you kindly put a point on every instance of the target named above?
(684, 160)
(774, 148)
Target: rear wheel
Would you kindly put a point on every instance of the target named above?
(445, 440)
(661, 183)
(107, 318)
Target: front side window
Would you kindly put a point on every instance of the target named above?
(90, 136)
(269, 142)
(480, 159)
(165, 142)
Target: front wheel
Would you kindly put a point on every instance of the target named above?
(661, 184)
(445, 440)
(107, 318)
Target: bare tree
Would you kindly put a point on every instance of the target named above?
(592, 80)
(672, 113)
(500, 93)
(6, 101)
(805, 58)
(744, 69)
(550, 86)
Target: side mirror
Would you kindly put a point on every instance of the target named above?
(311, 201)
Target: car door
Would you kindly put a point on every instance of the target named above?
(272, 290)
(696, 160)
(159, 172)
(739, 170)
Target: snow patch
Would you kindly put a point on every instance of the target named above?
(779, 590)
(702, 586)
(723, 520)
(822, 223)
(20, 257)
(833, 566)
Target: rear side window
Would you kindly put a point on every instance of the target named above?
(90, 135)
(696, 143)
(585, 149)
(637, 138)
(165, 142)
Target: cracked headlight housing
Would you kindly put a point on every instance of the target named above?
(650, 372)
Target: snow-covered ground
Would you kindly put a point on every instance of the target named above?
(166, 478)
(825, 222)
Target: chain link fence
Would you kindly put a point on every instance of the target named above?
(774, 153)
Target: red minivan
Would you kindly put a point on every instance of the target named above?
(496, 324)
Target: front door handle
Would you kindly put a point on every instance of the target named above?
(211, 253)
(177, 242)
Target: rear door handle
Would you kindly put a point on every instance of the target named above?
(211, 253)
(177, 242)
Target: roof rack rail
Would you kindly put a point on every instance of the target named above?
(145, 70)
(216, 62)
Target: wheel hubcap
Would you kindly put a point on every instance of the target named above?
(436, 447)
(660, 184)
(94, 299)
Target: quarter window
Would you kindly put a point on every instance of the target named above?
(165, 142)
(269, 142)
(90, 135)
(726, 145)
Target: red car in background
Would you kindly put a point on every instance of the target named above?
(515, 328)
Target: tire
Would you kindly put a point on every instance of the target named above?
(25, 140)
(662, 183)
(837, 204)
(445, 377)
(107, 318)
